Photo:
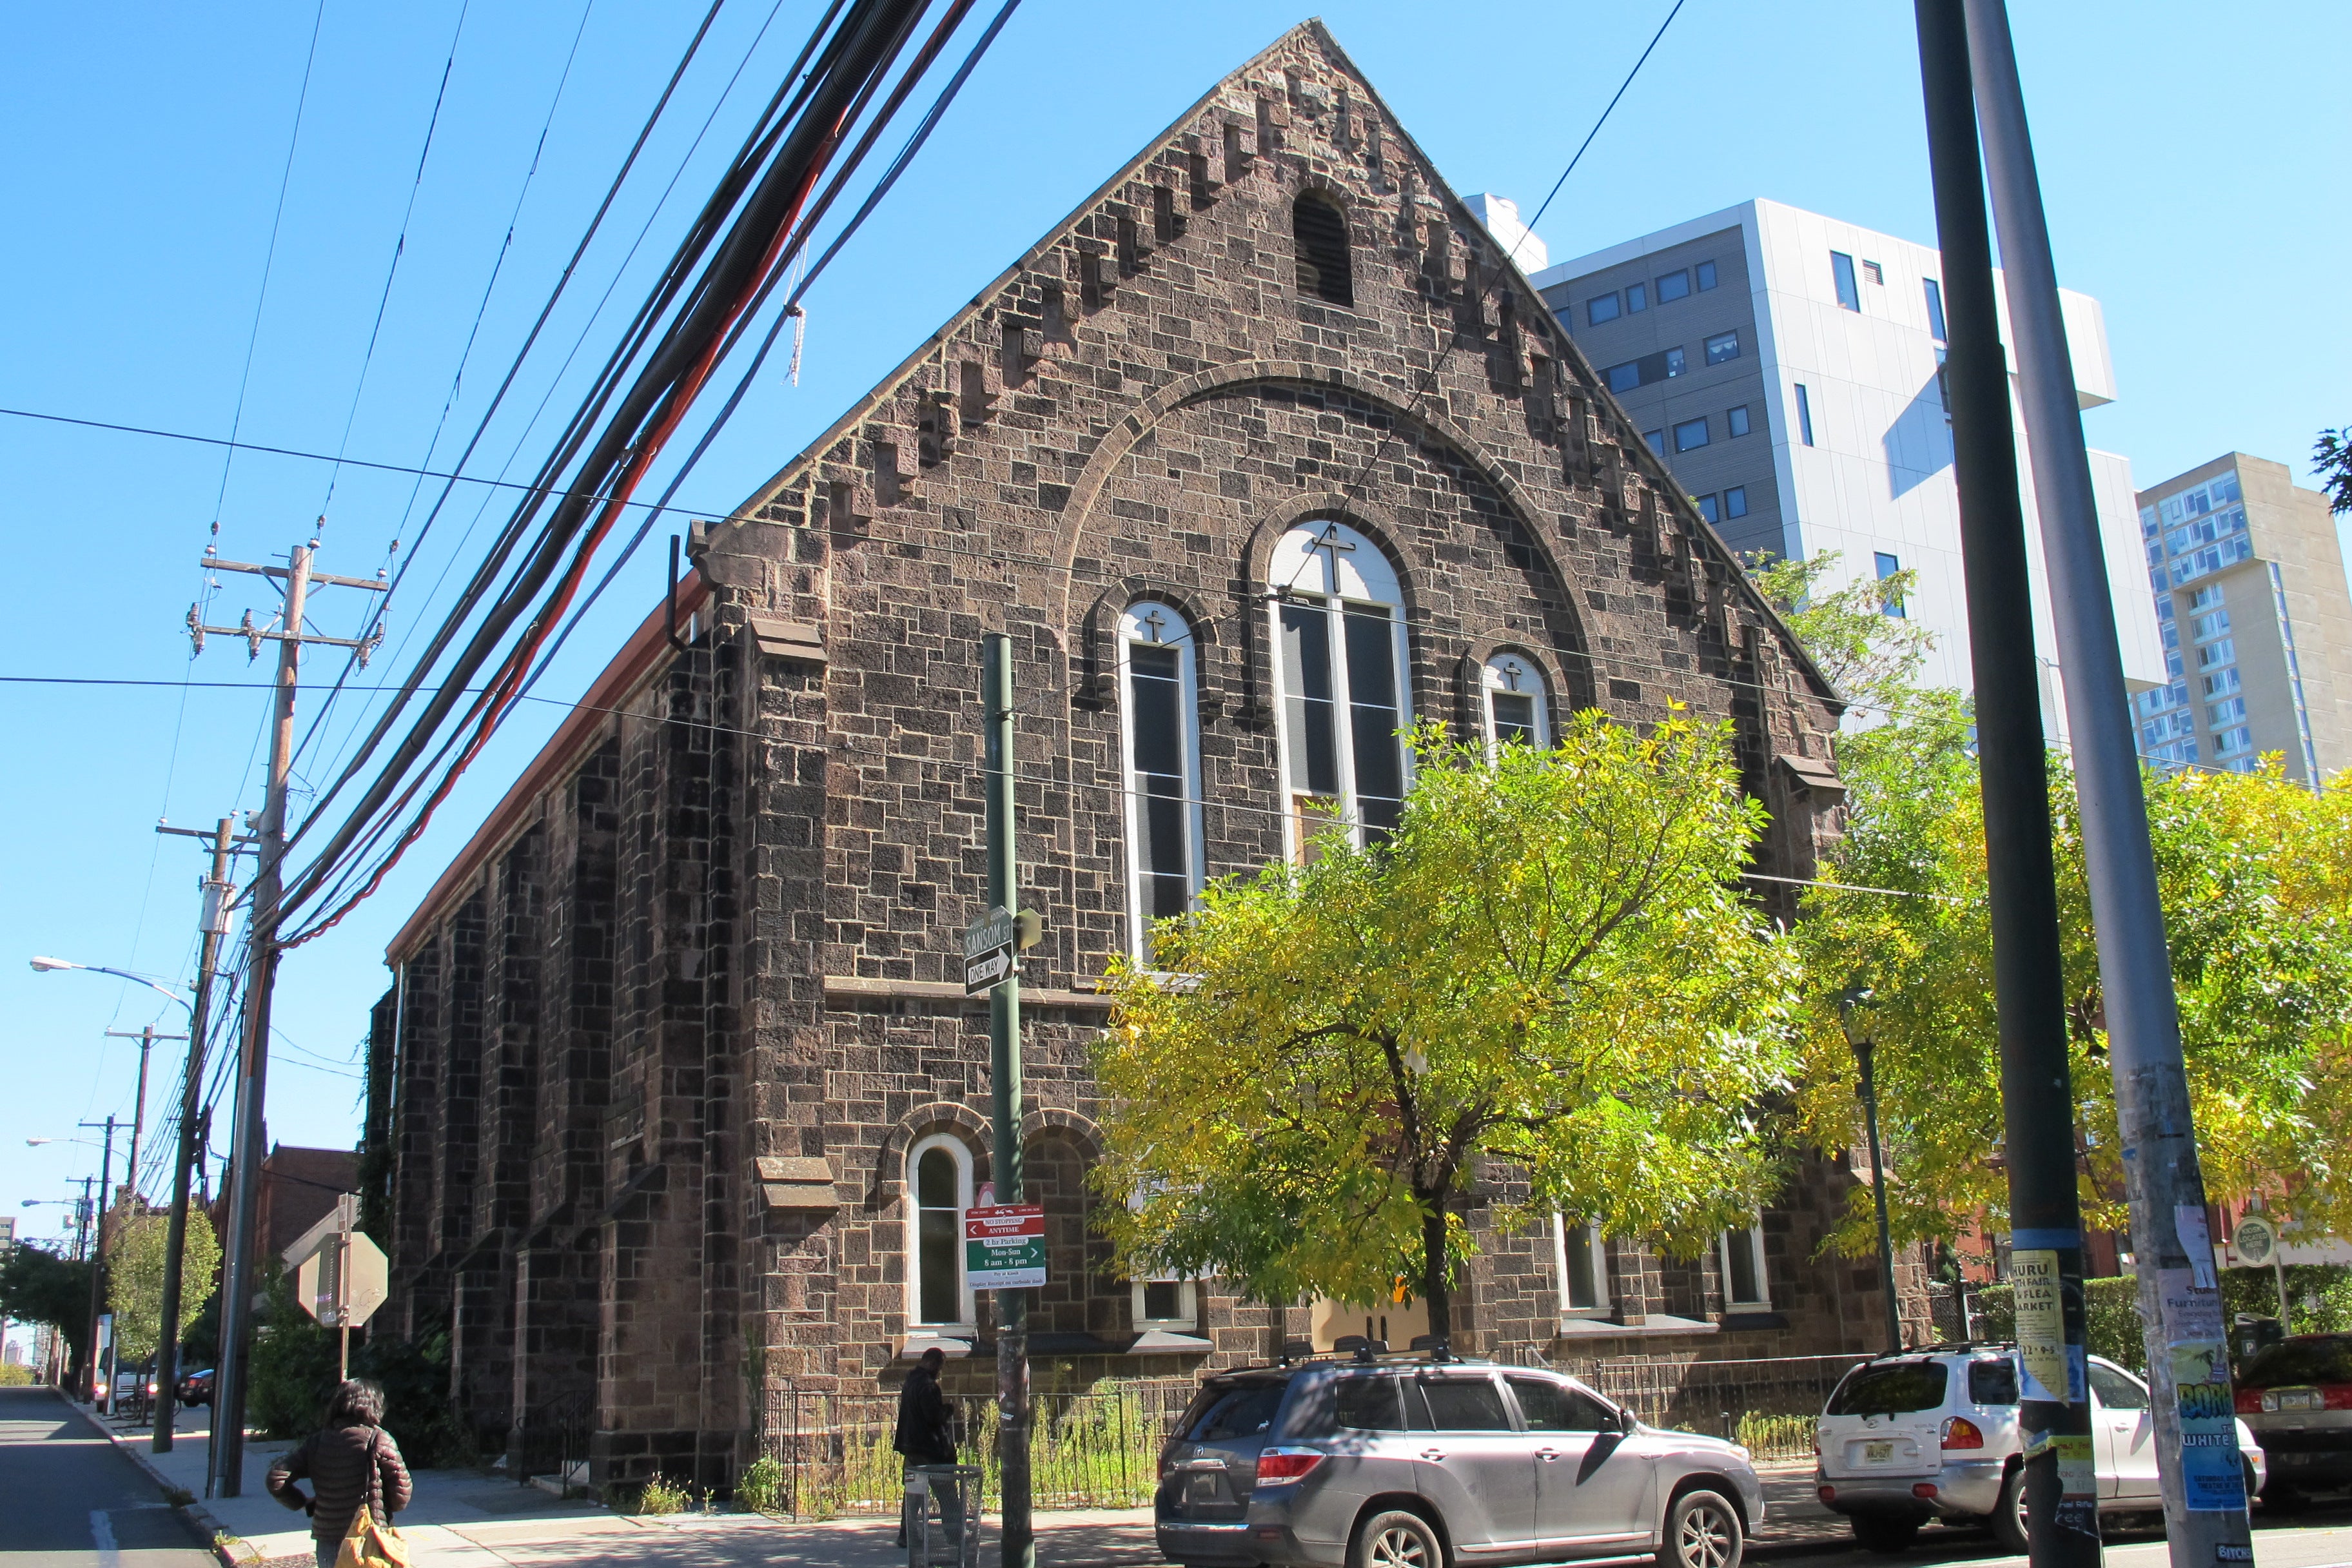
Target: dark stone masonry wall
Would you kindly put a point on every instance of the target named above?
(662, 1056)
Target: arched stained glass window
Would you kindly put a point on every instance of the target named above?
(1340, 672)
(1161, 734)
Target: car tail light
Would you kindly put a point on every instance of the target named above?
(1278, 1466)
(2336, 1395)
(1960, 1432)
(1925, 1490)
(2250, 1401)
(1828, 1494)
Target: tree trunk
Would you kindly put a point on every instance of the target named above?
(1434, 1290)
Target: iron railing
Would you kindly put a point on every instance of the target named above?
(1770, 1403)
(1098, 1449)
(551, 1439)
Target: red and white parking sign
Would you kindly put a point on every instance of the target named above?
(1005, 1247)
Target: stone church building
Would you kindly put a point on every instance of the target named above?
(1261, 454)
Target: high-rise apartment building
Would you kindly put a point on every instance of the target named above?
(1789, 369)
(2255, 620)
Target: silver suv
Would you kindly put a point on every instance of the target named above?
(1933, 1434)
(1425, 1462)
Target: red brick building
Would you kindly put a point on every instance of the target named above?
(1261, 453)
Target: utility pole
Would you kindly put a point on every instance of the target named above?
(98, 1256)
(1865, 1050)
(225, 1467)
(2036, 1092)
(2198, 1464)
(146, 1039)
(216, 920)
(1019, 1546)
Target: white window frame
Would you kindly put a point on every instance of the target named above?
(961, 1153)
(1328, 562)
(1135, 626)
(1753, 1236)
(1188, 1305)
(1514, 673)
(1602, 1303)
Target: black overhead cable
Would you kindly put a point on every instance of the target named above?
(798, 239)
(765, 194)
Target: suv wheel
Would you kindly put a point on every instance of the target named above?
(1396, 1538)
(2009, 1513)
(1702, 1531)
(1888, 1533)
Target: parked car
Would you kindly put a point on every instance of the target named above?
(196, 1387)
(1933, 1434)
(132, 1385)
(2296, 1394)
(1405, 1462)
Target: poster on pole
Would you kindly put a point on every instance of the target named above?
(1005, 1247)
(2040, 1324)
(2212, 1474)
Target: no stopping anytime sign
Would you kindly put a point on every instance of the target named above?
(1005, 1247)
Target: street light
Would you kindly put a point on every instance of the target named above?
(1857, 1034)
(175, 1237)
(43, 964)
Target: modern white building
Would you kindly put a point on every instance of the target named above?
(1788, 368)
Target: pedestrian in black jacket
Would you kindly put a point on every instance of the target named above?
(351, 1464)
(926, 1436)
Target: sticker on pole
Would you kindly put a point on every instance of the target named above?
(1005, 1247)
(2040, 1324)
(988, 946)
(2212, 1473)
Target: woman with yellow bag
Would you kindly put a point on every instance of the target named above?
(356, 1472)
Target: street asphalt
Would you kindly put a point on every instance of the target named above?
(69, 1499)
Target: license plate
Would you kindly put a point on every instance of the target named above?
(2299, 1399)
(1877, 1453)
(1204, 1488)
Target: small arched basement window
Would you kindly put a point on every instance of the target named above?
(1320, 229)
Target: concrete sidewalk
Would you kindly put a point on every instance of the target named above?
(466, 1519)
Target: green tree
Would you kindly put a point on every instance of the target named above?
(2252, 870)
(1551, 966)
(1856, 633)
(36, 1286)
(137, 1245)
(2332, 456)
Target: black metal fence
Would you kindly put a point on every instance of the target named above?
(1769, 1404)
(1098, 1449)
(551, 1439)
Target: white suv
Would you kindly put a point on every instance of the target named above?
(1933, 1434)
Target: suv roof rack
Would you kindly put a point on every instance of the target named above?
(1374, 1353)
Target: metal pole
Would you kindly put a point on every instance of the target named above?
(1863, 1049)
(1019, 1547)
(98, 1260)
(215, 923)
(343, 1207)
(146, 1038)
(2180, 1311)
(2037, 1094)
(226, 1477)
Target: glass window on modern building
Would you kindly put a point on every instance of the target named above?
(1888, 566)
(1735, 501)
(1722, 348)
(1706, 272)
(1935, 309)
(1601, 308)
(1674, 285)
(1849, 293)
(1691, 434)
(1804, 414)
(1708, 507)
(1735, 420)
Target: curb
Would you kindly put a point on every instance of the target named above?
(223, 1542)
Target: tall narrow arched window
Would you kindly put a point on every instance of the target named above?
(938, 1189)
(1159, 734)
(1339, 672)
(1319, 228)
(1516, 709)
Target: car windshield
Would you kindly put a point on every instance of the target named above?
(1227, 1410)
(2315, 1360)
(1889, 1390)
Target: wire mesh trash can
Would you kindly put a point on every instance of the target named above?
(942, 1516)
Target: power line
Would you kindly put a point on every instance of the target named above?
(269, 260)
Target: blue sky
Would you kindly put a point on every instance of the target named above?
(2181, 163)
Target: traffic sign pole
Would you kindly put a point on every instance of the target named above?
(1019, 1548)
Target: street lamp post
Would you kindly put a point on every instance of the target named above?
(167, 1347)
(1857, 1034)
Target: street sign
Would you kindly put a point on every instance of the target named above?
(340, 1289)
(2255, 1239)
(988, 946)
(1005, 1247)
